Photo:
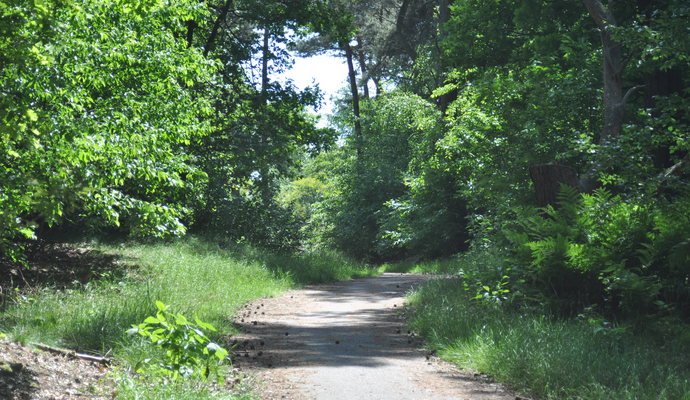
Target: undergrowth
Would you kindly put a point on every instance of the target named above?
(549, 358)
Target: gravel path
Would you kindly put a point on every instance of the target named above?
(347, 341)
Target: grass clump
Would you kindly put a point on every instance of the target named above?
(549, 358)
(311, 267)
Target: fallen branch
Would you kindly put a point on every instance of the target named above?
(676, 168)
(73, 354)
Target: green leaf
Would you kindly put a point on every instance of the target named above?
(32, 114)
(28, 233)
(180, 319)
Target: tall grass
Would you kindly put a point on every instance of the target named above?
(195, 277)
(547, 358)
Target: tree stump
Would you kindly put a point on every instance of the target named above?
(547, 179)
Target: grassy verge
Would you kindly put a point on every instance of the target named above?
(195, 277)
(445, 266)
(547, 358)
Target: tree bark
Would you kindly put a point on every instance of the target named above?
(216, 26)
(73, 354)
(443, 17)
(264, 65)
(661, 84)
(401, 29)
(377, 85)
(191, 25)
(614, 99)
(355, 97)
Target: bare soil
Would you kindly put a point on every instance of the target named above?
(26, 373)
(347, 340)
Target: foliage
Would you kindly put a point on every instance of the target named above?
(347, 198)
(99, 100)
(188, 351)
(621, 254)
(262, 128)
(138, 117)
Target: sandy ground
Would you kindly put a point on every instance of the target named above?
(347, 341)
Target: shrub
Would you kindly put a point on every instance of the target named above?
(188, 351)
(628, 255)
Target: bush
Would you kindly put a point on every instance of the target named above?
(627, 255)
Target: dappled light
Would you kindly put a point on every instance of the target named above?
(534, 156)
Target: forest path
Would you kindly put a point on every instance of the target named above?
(347, 340)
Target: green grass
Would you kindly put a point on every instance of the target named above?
(547, 358)
(445, 266)
(131, 388)
(469, 264)
(195, 277)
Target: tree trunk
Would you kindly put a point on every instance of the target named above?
(401, 28)
(363, 68)
(443, 17)
(614, 100)
(377, 85)
(191, 25)
(216, 26)
(264, 65)
(661, 84)
(355, 97)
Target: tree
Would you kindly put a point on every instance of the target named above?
(99, 102)
(261, 126)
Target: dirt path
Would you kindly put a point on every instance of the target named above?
(347, 341)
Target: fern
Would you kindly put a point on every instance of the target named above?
(630, 255)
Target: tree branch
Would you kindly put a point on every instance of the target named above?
(629, 93)
(600, 14)
(675, 169)
(73, 354)
(216, 26)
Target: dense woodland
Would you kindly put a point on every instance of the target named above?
(540, 149)
(549, 139)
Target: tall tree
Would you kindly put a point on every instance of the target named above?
(613, 66)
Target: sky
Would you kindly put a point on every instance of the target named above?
(328, 71)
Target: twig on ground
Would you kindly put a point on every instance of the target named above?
(73, 354)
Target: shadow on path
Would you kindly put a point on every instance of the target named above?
(352, 323)
(16, 381)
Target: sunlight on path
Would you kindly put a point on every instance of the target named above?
(348, 341)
